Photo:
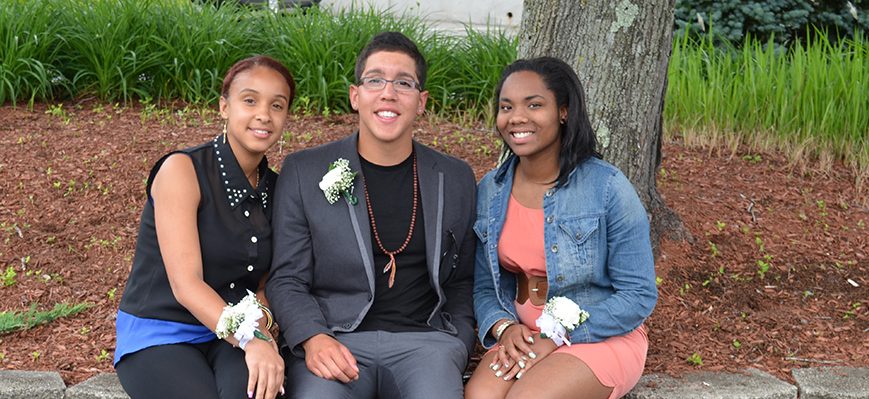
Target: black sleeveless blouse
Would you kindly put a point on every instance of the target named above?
(235, 238)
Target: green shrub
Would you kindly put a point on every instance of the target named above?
(782, 20)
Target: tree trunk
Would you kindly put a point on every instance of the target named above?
(620, 49)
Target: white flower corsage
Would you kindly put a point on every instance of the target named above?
(241, 321)
(560, 317)
(338, 181)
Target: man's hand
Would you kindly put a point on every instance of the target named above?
(329, 359)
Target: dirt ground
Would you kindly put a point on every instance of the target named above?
(775, 277)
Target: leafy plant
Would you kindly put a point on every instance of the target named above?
(752, 159)
(695, 359)
(763, 266)
(852, 311)
(9, 277)
(103, 356)
(713, 249)
(783, 21)
(15, 321)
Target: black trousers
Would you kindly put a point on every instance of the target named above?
(213, 369)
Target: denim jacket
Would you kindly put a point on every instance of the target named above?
(598, 254)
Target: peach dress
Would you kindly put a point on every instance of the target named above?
(618, 361)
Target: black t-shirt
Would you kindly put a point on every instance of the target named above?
(408, 304)
(235, 238)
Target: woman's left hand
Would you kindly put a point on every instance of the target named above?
(541, 348)
(265, 368)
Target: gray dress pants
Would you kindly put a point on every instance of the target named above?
(411, 365)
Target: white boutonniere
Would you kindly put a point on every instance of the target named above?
(338, 182)
(560, 317)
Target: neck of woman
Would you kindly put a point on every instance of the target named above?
(538, 170)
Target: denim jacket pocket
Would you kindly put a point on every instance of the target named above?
(481, 228)
(579, 233)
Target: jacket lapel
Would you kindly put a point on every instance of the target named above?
(359, 212)
(431, 186)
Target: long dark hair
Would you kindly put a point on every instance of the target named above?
(578, 141)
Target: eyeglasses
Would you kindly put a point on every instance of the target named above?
(401, 85)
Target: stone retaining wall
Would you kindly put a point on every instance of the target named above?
(812, 383)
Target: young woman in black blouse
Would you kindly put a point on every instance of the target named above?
(204, 241)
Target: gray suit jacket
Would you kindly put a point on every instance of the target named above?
(322, 274)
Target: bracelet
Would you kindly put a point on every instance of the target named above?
(503, 327)
(270, 320)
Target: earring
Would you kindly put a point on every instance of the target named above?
(563, 120)
(224, 132)
(281, 147)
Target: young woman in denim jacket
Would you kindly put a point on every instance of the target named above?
(556, 220)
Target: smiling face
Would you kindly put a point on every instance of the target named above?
(255, 110)
(386, 116)
(529, 118)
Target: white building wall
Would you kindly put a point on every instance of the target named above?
(448, 15)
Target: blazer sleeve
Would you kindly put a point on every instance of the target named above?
(288, 287)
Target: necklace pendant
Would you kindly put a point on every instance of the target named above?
(389, 264)
(390, 267)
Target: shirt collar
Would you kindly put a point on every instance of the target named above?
(236, 186)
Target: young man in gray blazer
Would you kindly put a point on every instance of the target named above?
(372, 274)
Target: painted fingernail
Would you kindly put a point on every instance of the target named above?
(532, 355)
(283, 392)
(249, 394)
(521, 364)
(518, 376)
(506, 378)
(530, 339)
(498, 374)
(493, 366)
(496, 366)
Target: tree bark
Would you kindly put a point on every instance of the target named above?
(620, 50)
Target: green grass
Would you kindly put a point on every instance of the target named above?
(810, 100)
(29, 50)
(16, 321)
(163, 50)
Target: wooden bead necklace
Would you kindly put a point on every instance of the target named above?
(391, 265)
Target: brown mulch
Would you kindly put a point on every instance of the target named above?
(71, 193)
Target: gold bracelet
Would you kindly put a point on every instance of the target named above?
(270, 320)
(503, 327)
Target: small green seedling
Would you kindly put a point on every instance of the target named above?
(695, 359)
(713, 249)
(9, 277)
